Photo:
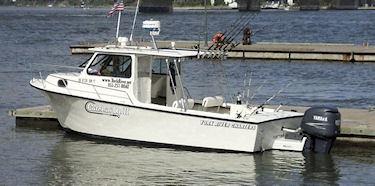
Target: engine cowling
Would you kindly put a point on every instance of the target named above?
(321, 125)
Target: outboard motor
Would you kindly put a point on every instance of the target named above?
(321, 125)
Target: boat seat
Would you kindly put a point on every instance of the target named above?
(216, 101)
(177, 104)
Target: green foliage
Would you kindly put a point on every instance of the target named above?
(197, 3)
(189, 2)
(99, 3)
(219, 3)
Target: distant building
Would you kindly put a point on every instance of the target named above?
(309, 5)
(248, 5)
(164, 6)
(367, 3)
(347, 4)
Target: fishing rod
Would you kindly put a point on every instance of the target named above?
(226, 31)
(248, 88)
(231, 38)
(247, 20)
(244, 18)
(269, 99)
(238, 43)
(230, 29)
(229, 43)
(253, 33)
(257, 91)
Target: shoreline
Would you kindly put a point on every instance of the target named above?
(178, 7)
(126, 7)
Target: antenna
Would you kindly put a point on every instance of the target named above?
(135, 18)
(153, 27)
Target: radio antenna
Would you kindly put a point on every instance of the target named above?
(135, 18)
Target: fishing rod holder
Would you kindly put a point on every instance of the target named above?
(211, 54)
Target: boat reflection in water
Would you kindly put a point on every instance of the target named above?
(320, 168)
(76, 160)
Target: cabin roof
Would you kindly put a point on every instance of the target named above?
(146, 51)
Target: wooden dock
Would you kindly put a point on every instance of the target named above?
(42, 117)
(270, 51)
(358, 123)
(354, 122)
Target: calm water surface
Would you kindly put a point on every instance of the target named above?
(30, 37)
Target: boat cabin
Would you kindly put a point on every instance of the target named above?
(148, 75)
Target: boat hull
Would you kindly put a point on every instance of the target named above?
(142, 124)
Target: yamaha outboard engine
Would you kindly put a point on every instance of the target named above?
(321, 125)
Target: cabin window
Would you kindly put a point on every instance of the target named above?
(159, 66)
(111, 65)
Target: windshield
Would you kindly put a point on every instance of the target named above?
(83, 65)
(111, 65)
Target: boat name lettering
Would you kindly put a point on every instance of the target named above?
(228, 124)
(92, 107)
(244, 126)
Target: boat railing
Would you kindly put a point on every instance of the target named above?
(75, 71)
(99, 95)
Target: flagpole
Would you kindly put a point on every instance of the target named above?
(118, 23)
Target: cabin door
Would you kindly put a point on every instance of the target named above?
(143, 79)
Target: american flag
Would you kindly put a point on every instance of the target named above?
(116, 7)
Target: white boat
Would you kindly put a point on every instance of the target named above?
(136, 94)
(271, 5)
(231, 4)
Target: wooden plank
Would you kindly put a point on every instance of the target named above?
(34, 112)
(264, 50)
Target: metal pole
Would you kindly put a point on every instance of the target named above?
(184, 101)
(205, 23)
(135, 18)
(118, 23)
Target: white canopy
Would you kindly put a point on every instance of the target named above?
(146, 51)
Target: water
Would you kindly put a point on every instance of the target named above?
(30, 37)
